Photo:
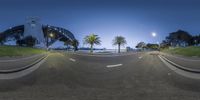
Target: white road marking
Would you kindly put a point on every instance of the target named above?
(71, 59)
(140, 57)
(109, 66)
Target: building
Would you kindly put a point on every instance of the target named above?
(179, 43)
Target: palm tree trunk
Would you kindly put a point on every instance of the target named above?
(91, 48)
(118, 48)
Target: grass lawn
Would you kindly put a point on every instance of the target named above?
(187, 51)
(18, 51)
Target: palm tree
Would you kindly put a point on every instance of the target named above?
(75, 44)
(92, 40)
(120, 41)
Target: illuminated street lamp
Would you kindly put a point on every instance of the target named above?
(153, 34)
(51, 35)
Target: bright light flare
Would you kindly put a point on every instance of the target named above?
(154, 34)
(51, 35)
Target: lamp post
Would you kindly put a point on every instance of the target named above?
(48, 35)
(154, 34)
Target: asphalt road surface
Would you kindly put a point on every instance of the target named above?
(139, 76)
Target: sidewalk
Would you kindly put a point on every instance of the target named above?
(187, 62)
(11, 63)
(105, 54)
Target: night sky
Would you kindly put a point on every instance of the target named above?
(133, 19)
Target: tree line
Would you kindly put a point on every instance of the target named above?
(179, 38)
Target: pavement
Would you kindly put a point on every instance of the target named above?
(10, 63)
(67, 76)
(187, 62)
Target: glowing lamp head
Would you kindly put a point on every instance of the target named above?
(51, 35)
(153, 34)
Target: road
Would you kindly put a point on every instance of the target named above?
(139, 76)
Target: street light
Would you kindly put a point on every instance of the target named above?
(153, 34)
(51, 35)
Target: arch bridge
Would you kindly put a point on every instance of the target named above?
(51, 34)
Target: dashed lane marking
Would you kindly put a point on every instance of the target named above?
(71, 59)
(117, 65)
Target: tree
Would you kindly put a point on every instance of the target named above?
(20, 42)
(179, 37)
(29, 41)
(152, 46)
(196, 40)
(75, 44)
(1, 39)
(66, 41)
(120, 41)
(164, 44)
(140, 45)
(92, 40)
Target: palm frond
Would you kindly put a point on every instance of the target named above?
(119, 40)
(92, 39)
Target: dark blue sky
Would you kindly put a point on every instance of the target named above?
(133, 19)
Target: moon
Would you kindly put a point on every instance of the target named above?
(153, 34)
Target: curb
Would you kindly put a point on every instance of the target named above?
(186, 59)
(179, 66)
(23, 68)
(13, 60)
